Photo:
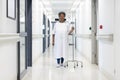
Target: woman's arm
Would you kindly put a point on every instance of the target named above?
(72, 29)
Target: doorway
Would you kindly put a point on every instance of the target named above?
(22, 62)
(48, 33)
(94, 32)
(44, 33)
(24, 46)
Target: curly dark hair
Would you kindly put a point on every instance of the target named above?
(61, 13)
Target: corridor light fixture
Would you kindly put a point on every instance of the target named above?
(76, 4)
(47, 5)
(48, 9)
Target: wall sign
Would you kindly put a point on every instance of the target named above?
(11, 9)
(101, 26)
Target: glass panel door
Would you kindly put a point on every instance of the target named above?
(22, 33)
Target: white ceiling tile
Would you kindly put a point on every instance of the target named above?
(58, 5)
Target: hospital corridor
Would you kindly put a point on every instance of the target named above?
(59, 40)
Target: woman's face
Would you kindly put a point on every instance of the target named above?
(62, 17)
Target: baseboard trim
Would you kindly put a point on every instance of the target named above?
(109, 76)
(37, 58)
(104, 72)
(83, 55)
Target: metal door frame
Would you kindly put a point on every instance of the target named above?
(29, 32)
(28, 41)
(49, 33)
(94, 7)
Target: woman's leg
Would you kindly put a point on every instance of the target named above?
(62, 60)
(58, 60)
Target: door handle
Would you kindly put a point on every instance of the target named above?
(23, 34)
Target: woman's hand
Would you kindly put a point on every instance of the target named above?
(72, 29)
(53, 43)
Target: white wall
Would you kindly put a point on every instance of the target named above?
(0, 11)
(37, 29)
(9, 25)
(8, 60)
(108, 62)
(106, 48)
(83, 19)
(117, 39)
(8, 49)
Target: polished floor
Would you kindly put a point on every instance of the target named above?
(45, 69)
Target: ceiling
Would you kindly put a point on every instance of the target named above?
(53, 7)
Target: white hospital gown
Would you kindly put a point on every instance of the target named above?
(61, 31)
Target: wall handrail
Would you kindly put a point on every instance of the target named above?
(84, 36)
(37, 35)
(108, 37)
(9, 36)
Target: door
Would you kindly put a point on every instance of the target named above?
(48, 33)
(44, 33)
(22, 66)
(94, 32)
(117, 40)
(106, 20)
(22, 40)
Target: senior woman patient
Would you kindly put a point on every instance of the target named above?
(60, 38)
